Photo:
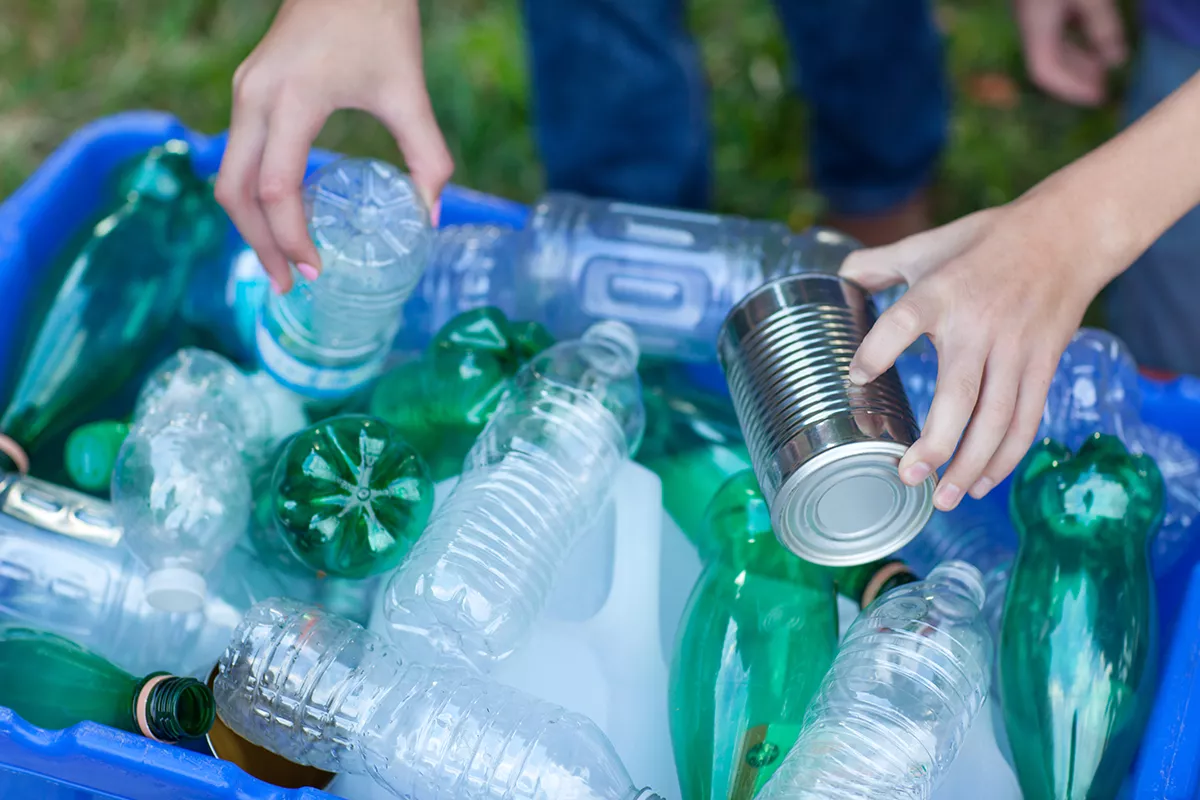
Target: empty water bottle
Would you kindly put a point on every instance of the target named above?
(905, 685)
(327, 338)
(1094, 390)
(322, 691)
(537, 476)
(64, 569)
(182, 494)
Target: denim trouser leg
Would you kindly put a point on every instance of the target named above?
(620, 100)
(1155, 305)
(621, 111)
(872, 72)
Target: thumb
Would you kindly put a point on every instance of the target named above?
(908, 259)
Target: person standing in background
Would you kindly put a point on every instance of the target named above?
(621, 105)
(1154, 306)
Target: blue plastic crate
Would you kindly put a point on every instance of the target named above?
(91, 761)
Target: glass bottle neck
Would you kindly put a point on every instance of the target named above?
(167, 708)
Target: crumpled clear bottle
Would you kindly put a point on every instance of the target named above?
(905, 685)
(324, 692)
(64, 569)
(327, 338)
(181, 482)
(542, 469)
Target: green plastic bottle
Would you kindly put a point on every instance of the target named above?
(759, 634)
(441, 400)
(110, 300)
(91, 451)
(692, 442)
(54, 683)
(1078, 646)
(350, 496)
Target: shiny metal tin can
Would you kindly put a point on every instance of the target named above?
(825, 452)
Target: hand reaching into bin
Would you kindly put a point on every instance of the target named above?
(320, 56)
(1000, 292)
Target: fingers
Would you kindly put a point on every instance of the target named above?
(892, 333)
(420, 141)
(292, 128)
(237, 187)
(960, 374)
(1102, 25)
(878, 268)
(1031, 401)
(993, 413)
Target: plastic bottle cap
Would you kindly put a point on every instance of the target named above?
(176, 590)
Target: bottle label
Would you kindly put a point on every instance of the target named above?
(312, 380)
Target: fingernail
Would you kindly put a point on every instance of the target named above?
(858, 377)
(947, 496)
(981, 487)
(308, 271)
(435, 213)
(275, 286)
(916, 473)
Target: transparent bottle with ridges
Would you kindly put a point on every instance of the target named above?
(181, 481)
(328, 337)
(910, 676)
(536, 478)
(669, 274)
(94, 594)
(322, 691)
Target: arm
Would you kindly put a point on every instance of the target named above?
(1000, 292)
(320, 56)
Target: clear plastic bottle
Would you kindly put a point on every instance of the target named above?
(905, 685)
(1094, 390)
(322, 691)
(329, 337)
(671, 275)
(81, 582)
(181, 491)
(534, 481)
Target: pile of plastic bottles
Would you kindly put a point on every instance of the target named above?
(233, 520)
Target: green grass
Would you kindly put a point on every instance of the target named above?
(65, 62)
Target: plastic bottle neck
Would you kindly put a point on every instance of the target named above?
(167, 708)
(961, 577)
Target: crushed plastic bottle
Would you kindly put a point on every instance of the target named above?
(327, 338)
(64, 569)
(182, 493)
(536, 478)
(905, 685)
(324, 692)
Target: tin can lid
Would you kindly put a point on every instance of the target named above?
(847, 506)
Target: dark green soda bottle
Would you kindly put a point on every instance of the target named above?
(54, 683)
(115, 292)
(350, 496)
(1078, 646)
(441, 400)
(759, 634)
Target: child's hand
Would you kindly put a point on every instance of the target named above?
(999, 293)
(319, 56)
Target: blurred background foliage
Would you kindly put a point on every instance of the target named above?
(65, 62)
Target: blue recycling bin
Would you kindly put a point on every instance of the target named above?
(92, 761)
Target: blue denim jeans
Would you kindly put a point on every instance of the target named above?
(1155, 305)
(620, 98)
